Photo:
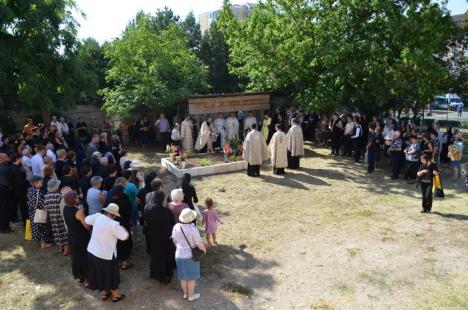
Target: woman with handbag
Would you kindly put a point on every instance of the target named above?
(40, 227)
(52, 204)
(189, 248)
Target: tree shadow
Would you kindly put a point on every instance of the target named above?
(460, 217)
(47, 275)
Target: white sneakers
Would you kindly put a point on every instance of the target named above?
(194, 297)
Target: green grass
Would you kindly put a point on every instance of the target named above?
(377, 279)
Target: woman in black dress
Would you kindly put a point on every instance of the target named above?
(124, 247)
(190, 194)
(159, 221)
(78, 237)
(426, 173)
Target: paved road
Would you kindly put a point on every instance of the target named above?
(450, 115)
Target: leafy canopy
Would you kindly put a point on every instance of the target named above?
(150, 67)
(333, 53)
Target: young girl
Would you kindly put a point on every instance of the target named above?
(211, 220)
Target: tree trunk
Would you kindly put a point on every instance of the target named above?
(45, 114)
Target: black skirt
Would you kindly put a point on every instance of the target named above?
(103, 274)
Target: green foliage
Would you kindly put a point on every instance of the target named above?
(205, 162)
(37, 38)
(150, 67)
(214, 53)
(193, 31)
(457, 62)
(341, 53)
(90, 68)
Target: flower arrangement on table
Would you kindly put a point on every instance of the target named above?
(176, 155)
(233, 151)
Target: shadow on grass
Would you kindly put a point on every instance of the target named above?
(460, 217)
(42, 279)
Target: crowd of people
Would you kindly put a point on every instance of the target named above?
(83, 194)
(412, 152)
(74, 186)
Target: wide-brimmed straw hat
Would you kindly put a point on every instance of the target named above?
(187, 216)
(112, 208)
(135, 165)
(53, 185)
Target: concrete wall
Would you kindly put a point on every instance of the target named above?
(85, 111)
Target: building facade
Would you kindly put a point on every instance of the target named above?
(240, 11)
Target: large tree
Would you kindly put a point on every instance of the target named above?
(37, 38)
(214, 52)
(332, 53)
(89, 71)
(194, 34)
(151, 68)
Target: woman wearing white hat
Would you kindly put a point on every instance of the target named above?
(103, 274)
(185, 237)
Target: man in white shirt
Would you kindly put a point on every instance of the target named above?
(50, 152)
(175, 134)
(63, 127)
(26, 163)
(357, 139)
(37, 161)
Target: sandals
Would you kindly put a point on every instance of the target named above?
(125, 266)
(105, 297)
(117, 299)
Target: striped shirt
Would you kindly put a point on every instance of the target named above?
(396, 144)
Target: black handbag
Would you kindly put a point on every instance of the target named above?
(196, 252)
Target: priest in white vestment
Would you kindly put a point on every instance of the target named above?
(220, 126)
(249, 121)
(255, 151)
(206, 137)
(186, 134)
(279, 150)
(232, 127)
(295, 144)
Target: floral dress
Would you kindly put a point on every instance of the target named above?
(35, 200)
(52, 204)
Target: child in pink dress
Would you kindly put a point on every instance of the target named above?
(211, 220)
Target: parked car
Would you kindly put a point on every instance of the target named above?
(453, 101)
(440, 103)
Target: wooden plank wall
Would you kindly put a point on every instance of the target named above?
(197, 106)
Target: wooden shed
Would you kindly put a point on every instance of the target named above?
(201, 106)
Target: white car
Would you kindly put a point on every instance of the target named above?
(455, 103)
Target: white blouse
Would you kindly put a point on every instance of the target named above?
(183, 249)
(106, 231)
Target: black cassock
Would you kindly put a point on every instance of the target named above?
(159, 222)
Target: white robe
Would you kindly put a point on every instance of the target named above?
(220, 125)
(232, 128)
(186, 135)
(205, 136)
(279, 150)
(255, 148)
(249, 121)
(296, 141)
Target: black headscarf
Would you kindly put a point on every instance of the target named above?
(186, 178)
(115, 193)
(157, 200)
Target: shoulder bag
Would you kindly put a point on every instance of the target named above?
(40, 216)
(196, 252)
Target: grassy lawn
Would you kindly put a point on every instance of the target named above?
(325, 237)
